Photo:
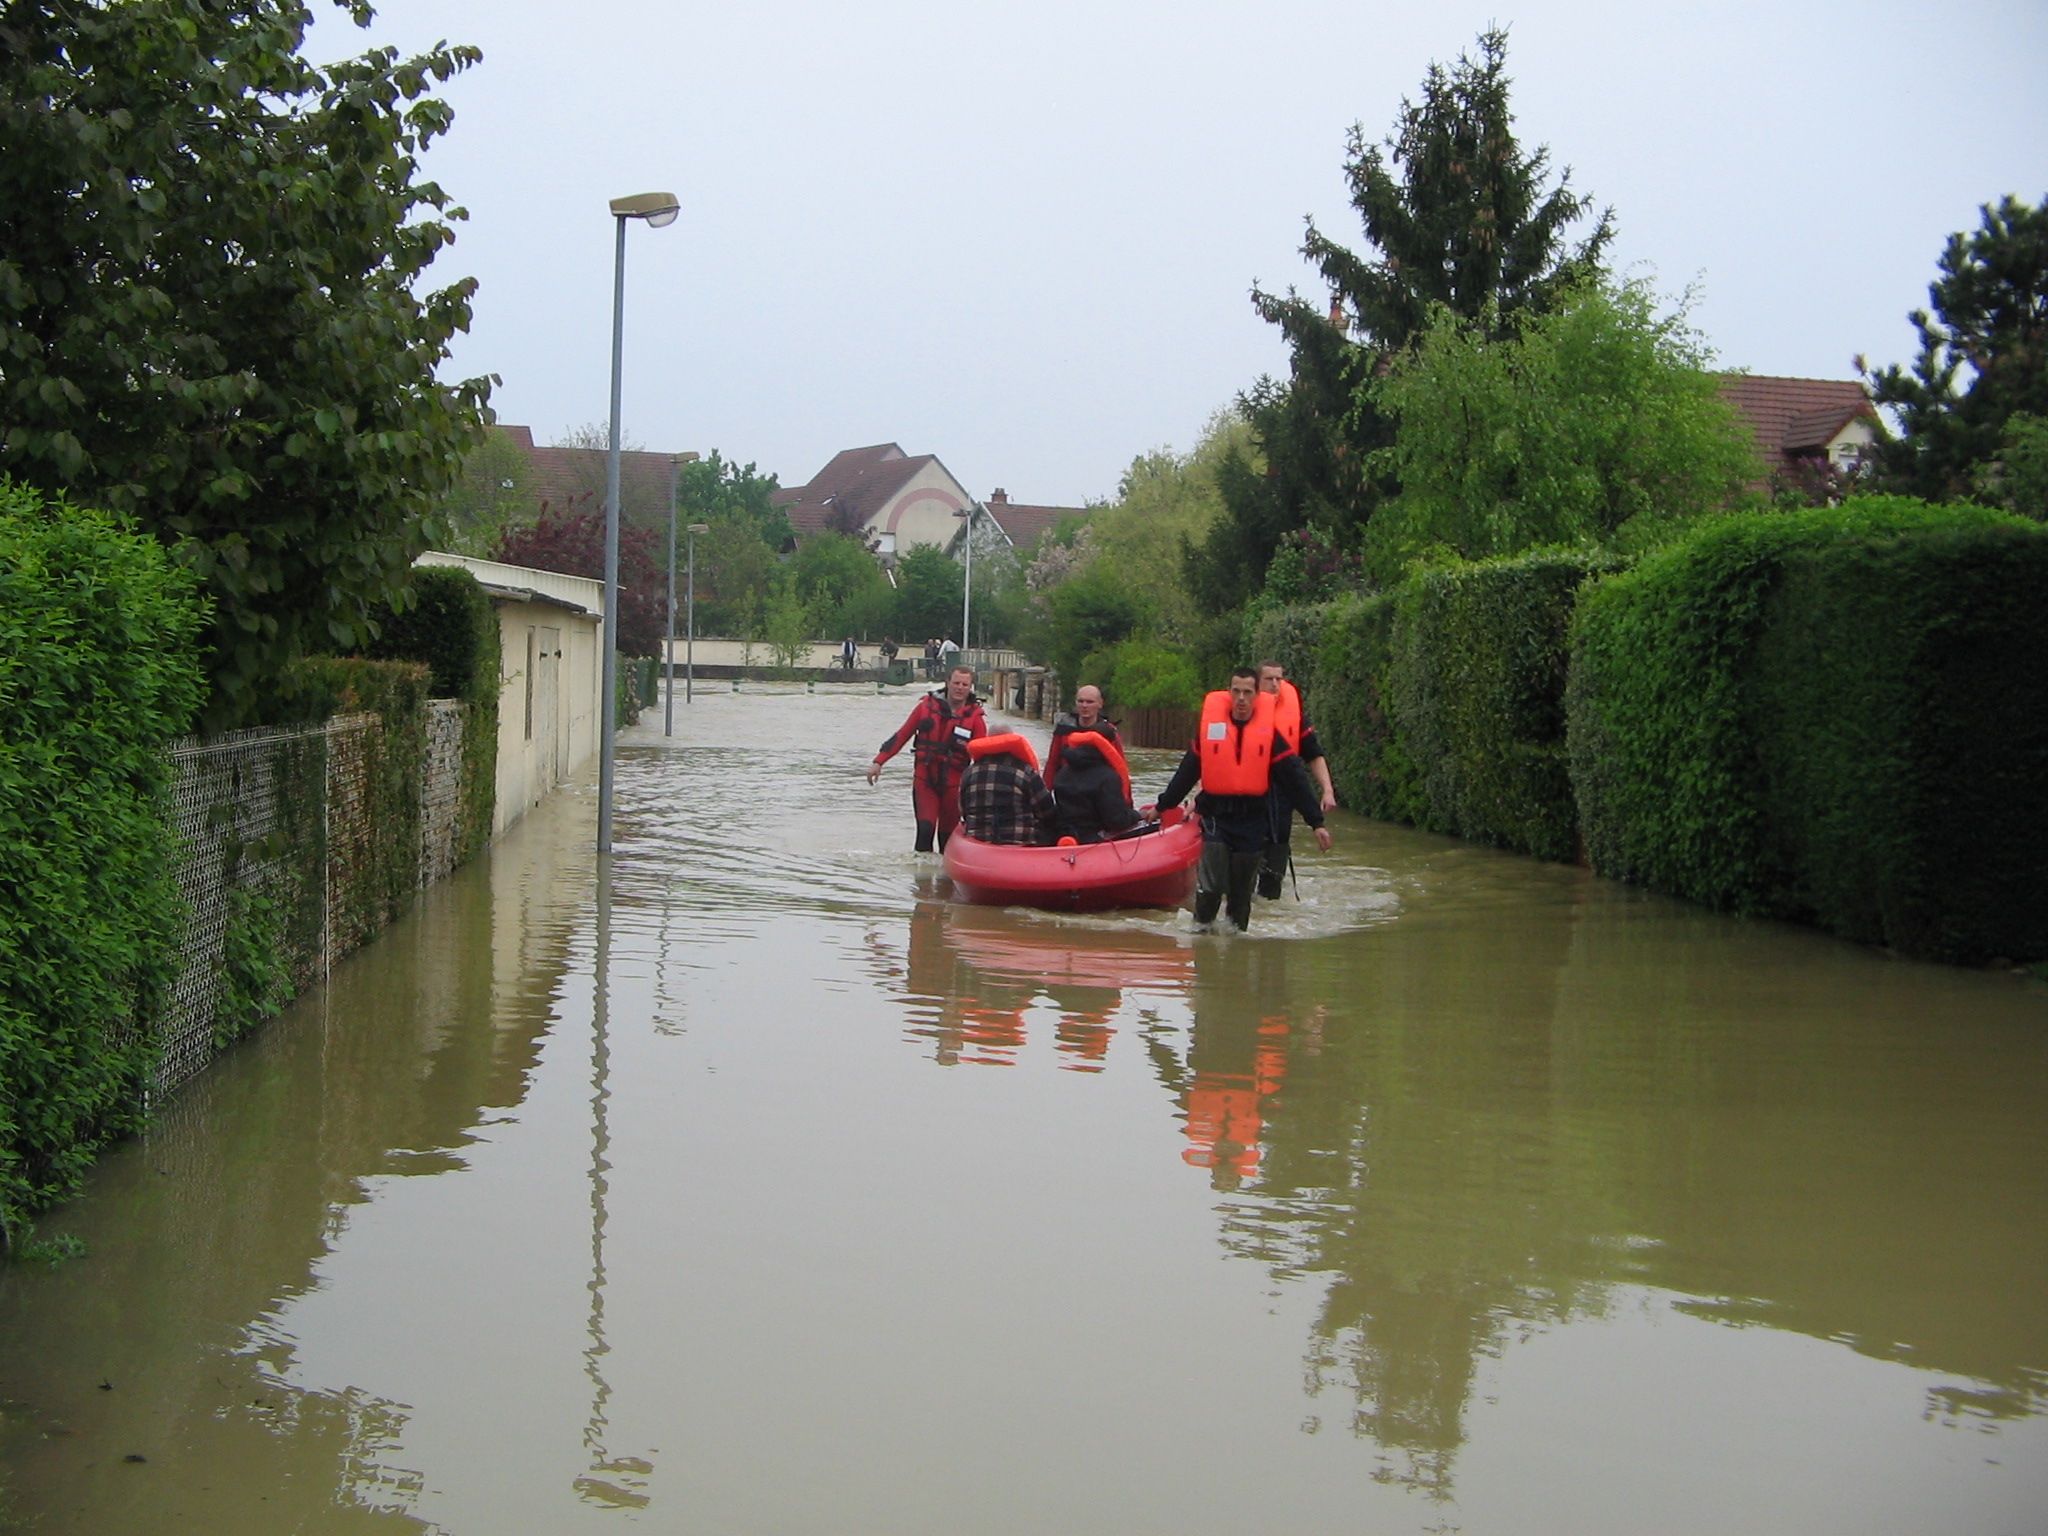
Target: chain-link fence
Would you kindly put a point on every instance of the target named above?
(283, 848)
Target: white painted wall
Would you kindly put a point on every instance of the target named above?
(550, 678)
(922, 512)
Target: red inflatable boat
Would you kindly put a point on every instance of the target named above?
(1154, 869)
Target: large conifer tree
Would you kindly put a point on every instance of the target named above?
(1989, 315)
(1457, 213)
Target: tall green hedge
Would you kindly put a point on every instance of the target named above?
(1350, 701)
(1476, 677)
(1441, 703)
(99, 673)
(1838, 715)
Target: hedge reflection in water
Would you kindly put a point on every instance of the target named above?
(1487, 1116)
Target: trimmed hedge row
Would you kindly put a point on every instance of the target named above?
(1838, 716)
(1441, 703)
(99, 673)
(1477, 680)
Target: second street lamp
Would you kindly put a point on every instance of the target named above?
(690, 645)
(658, 209)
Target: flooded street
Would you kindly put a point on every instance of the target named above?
(764, 1190)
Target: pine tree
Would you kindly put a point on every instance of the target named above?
(1990, 314)
(1459, 215)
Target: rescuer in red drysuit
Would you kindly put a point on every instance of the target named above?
(944, 721)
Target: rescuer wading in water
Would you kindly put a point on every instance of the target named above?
(940, 727)
(1237, 756)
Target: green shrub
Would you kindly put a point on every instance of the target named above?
(1477, 677)
(451, 625)
(99, 672)
(1349, 702)
(1143, 674)
(1291, 636)
(1833, 715)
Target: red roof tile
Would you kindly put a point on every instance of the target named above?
(1026, 524)
(1791, 417)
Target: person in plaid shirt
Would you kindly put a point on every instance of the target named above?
(1002, 798)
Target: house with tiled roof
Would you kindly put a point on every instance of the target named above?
(1024, 524)
(567, 478)
(1802, 421)
(903, 500)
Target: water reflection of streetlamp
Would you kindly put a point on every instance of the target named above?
(659, 209)
(690, 645)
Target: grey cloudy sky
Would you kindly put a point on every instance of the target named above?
(1021, 236)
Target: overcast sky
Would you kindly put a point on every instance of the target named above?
(1022, 236)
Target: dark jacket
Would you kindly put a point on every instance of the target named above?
(1090, 796)
(1247, 823)
(1063, 726)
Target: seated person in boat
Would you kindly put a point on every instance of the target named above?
(1094, 792)
(1087, 716)
(1002, 798)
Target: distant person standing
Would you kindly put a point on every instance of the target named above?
(849, 653)
(941, 725)
(931, 661)
(949, 653)
(887, 651)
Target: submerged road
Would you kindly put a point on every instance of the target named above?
(760, 1189)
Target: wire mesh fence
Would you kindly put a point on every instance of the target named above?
(283, 849)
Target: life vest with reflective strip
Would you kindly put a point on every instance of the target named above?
(1009, 741)
(1287, 713)
(1235, 761)
(1111, 753)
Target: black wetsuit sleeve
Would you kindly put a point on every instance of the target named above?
(1112, 809)
(1291, 775)
(1183, 782)
(1311, 747)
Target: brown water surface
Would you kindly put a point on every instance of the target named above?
(763, 1190)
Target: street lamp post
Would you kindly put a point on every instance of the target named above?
(967, 584)
(658, 209)
(690, 645)
(668, 634)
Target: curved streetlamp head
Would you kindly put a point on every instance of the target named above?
(659, 209)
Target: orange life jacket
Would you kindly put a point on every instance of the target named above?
(1009, 741)
(1111, 753)
(1287, 713)
(1235, 761)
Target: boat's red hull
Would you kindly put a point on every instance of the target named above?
(1156, 870)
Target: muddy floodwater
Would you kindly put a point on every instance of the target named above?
(763, 1189)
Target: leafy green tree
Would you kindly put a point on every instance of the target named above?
(1088, 614)
(929, 586)
(1166, 500)
(833, 571)
(709, 489)
(489, 498)
(1988, 315)
(2019, 480)
(735, 576)
(210, 309)
(1598, 424)
(1461, 217)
